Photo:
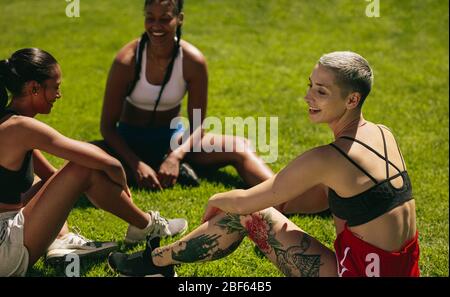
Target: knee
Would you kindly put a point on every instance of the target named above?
(79, 172)
(242, 149)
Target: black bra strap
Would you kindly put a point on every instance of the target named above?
(398, 148)
(354, 163)
(385, 152)
(394, 176)
(371, 149)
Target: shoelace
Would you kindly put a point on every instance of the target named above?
(160, 223)
(77, 238)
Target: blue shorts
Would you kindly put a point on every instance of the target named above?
(149, 144)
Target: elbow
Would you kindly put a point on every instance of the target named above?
(106, 130)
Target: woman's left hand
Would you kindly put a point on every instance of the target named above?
(168, 171)
(210, 212)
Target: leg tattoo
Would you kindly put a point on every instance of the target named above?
(259, 227)
(294, 259)
(196, 249)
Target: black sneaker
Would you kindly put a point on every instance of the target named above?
(187, 176)
(139, 264)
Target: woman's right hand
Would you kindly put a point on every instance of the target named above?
(146, 177)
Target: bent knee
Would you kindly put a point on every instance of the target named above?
(79, 171)
(242, 149)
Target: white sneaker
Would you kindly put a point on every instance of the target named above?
(74, 243)
(159, 227)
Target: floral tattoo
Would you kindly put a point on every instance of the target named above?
(259, 227)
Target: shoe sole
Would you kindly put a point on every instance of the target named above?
(132, 241)
(58, 256)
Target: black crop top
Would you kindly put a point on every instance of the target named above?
(14, 183)
(377, 200)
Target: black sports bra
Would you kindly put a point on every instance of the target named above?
(377, 200)
(14, 183)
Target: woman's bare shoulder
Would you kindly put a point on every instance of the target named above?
(126, 55)
(192, 54)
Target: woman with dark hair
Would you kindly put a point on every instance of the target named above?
(145, 88)
(31, 216)
(369, 193)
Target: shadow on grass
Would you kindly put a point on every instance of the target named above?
(215, 176)
(221, 177)
(83, 202)
(66, 269)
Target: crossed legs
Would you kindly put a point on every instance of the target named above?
(47, 211)
(293, 251)
(222, 150)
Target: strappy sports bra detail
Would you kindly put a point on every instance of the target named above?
(375, 201)
(145, 94)
(14, 183)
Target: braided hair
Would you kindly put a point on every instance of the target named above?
(178, 8)
(23, 66)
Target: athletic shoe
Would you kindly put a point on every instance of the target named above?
(160, 227)
(187, 176)
(139, 264)
(74, 243)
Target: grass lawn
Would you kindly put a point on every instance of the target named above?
(260, 54)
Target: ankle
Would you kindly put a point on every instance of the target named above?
(149, 221)
(158, 259)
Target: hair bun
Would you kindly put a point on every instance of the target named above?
(4, 65)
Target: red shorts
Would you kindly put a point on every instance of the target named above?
(356, 257)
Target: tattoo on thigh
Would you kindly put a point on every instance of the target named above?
(259, 228)
(294, 259)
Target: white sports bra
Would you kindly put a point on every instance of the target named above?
(145, 94)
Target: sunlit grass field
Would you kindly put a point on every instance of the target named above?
(260, 54)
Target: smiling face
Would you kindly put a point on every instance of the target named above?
(326, 103)
(47, 92)
(161, 21)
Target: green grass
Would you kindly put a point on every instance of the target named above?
(260, 54)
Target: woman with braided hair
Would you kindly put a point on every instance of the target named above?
(147, 82)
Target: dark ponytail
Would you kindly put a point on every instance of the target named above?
(28, 64)
(3, 92)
